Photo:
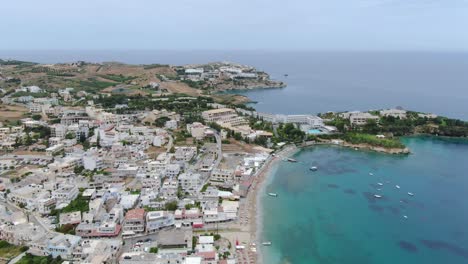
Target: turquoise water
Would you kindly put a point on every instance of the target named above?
(314, 132)
(330, 215)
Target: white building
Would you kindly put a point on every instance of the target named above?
(397, 113)
(172, 170)
(190, 182)
(197, 130)
(51, 151)
(65, 193)
(63, 245)
(158, 219)
(185, 154)
(159, 141)
(362, 118)
(222, 176)
(171, 124)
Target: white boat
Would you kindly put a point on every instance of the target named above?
(380, 184)
(377, 196)
(267, 243)
(292, 160)
(273, 194)
(371, 174)
(379, 189)
(313, 168)
(406, 217)
(397, 186)
(411, 194)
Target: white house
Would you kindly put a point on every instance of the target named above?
(158, 219)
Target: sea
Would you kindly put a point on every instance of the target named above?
(331, 216)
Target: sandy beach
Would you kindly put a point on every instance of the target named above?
(257, 190)
(245, 232)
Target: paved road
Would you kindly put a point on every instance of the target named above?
(17, 258)
(170, 144)
(32, 217)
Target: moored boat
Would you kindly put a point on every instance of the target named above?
(377, 196)
(292, 160)
(313, 168)
(410, 194)
(266, 243)
(273, 194)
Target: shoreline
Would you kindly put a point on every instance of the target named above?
(258, 189)
(255, 87)
(363, 146)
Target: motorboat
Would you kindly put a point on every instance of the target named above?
(313, 168)
(377, 196)
(397, 186)
(292, 160)
(380, 184)
(410, 194)
(371, 174)
(273, 194)
(267, 243)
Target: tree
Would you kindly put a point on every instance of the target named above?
(171, 206)
(70, 136)
(98, 140)
(28, 140)
(36, 117)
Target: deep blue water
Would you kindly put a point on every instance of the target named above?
(322, 81)
(331, 216)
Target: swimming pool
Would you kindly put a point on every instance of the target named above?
(314, 131)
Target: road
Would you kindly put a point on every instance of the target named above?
(219, 155)
(17, 258)
(219, 149)
(32, 217)
(170, 144)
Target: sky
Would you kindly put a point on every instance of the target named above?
(428, 25)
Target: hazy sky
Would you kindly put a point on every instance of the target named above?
(235, 24)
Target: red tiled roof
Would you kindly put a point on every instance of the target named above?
(138, 213)
(207, 255)
(96, 233)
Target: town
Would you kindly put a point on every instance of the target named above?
(104, 177)
(104, 181)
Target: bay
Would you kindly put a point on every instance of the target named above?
(331, 215)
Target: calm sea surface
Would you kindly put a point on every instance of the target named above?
(331, 215)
